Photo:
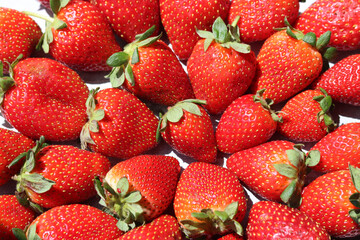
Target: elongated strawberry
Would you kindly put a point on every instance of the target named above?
(187, 128)
(43, 97)
(119, 125)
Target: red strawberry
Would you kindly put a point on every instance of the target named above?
(259, 18)
(341, 17)
(149, 68)
(342, 80)
(231, 236)
(247, 122)
(271, 220)
(19, 34)
(276, 172)
(44, 98)
(119, 125)
(187, 128)
(209, 200)
(332, 200)
(139, 189)
(12, 145)
(129, 18)
(181, 18)
(220, 67)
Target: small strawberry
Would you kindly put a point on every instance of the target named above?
(149, 68)
(43, 97)
(119, 125)
(342, 80)
(248, 121)
(271, 220)
(181, 18)
(220, 67)
(187, 128)
(139, 189)
(19, 34)
(209, 200)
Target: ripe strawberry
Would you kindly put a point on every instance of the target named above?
(139, 189)
(332, 200)
(152, 71)
(306, 116)
(271, 220)
(129, 18)
(220, 67)
(259, 18)
(187, 128)
(247, 122)
(276, 172)
(19, 34)
(341, 17)
(209, 200)
(181, 18)
(12, 145)
(43, 97)
(342, 80)
(119, 125)
(231, 236)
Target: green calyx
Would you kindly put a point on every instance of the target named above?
(6, 82)
(212, 222)
(31, 233)
(227, 36)
(120, 61)
(355, 197)
(326, 104)
(121, 203)
(266, 104)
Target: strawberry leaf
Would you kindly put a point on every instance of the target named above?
(123, 226)
(355, 199)
(205, 34)
(294, 157)
(142, 36)
(122, 186)
(129, 75)
(310, 38)
(174, 114)
(31, 232)
(207, 43)
(149, 41)
(222, 215)
(330, 53)
(313, 158)
(232, 209)
(19, 234)
(288, 192)
(286, 170)
(199, 215)
(323, 40)
(355, 215)
(220, 30)
(99, 188)
(133, 197)
(191, 108)
(135, 57)
(118, 59)
(57, 5)
(355, 176)
(240, 47)
(37, 182)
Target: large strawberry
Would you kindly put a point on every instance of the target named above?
(220, 67)
(187, 127)
(209, 200)
(181, 18)
(119, 125)
(149, 68)
(19, 34)
(139, 189)
(43, 97)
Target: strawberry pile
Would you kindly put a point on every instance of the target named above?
(164, 119)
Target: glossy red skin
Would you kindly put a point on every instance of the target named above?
(129, 18)
(231, 236)
(244, 124)
(342, 81)
(270, 220)
(341, 17)
(48, 99)
(259, 18)
(128, 128)
(326, 200)
(76, 221)
(13, 215)
(219, 75)
(181, 17)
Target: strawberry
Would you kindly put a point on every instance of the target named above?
(209, 200)
(306, 116)
(187, 128)
(220, 67)
(259, 18)
(13, 215)
(129, 18)
(164, 227)
(149, 68)
(139, 189)
(181, 18)
(342, 80)
(43, 97)
(271, 220)
(119, 125)
(12, 145)
(231, 236)
(248, 121)
(19, 34)
(341, 17)
(332, 200)
(276, 172)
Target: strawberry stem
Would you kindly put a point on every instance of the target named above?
(46, 18)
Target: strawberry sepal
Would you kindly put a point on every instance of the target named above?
(326, 104)
(355, 197)
(266, 104)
